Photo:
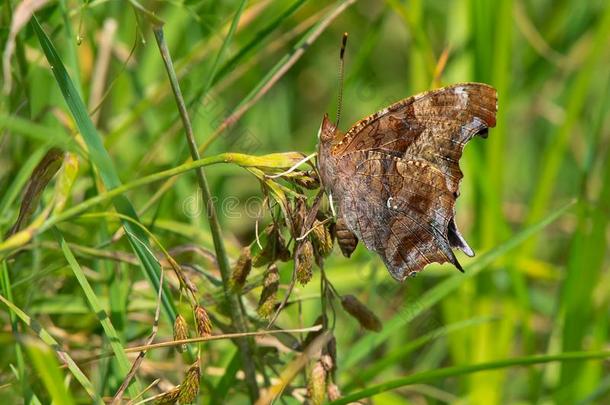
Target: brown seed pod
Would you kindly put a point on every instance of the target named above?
(322, 239)
(304, 262)
(268, 298)
(299, 215)
(346, 239)
(169, 397)
(190, 386)
(316, 383)
(367, 319)
(180, 332)
(202, 320)
(241, 269)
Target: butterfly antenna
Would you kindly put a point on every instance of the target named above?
(341, 69)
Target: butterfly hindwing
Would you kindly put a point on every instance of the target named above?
(400, 209)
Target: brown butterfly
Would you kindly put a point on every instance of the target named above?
(395, 175)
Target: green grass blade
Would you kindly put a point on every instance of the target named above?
(368, 343)
(396, 356)
(111, 334)
(257, 39)
(100, 159)
(46, 365)
(577, 101)
(50, 341)
(428, 376)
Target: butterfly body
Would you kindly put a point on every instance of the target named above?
(395, 175)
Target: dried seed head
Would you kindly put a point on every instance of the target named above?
(180, 332)
(304, 262)
(169, 397)
(322, 239)
(268, 298)
(308, 180)
(190, 386)
(241, 269)
(346, 239)
(333, 392)
(316, 384)
(367, 319)
(202, 320)
(299, 215)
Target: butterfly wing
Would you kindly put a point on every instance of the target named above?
(400, 174)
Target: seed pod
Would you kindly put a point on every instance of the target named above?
(241, 269)
(169, 397)
(299, 215)
(367, 319)
(202, 320)
(346, 239)
(304, 262)
(316, 384)
(190, 386)
(268, 298)
(333, 392)
(180, 332)
(322, 240)
(308, 180)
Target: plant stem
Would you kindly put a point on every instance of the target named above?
(221, 255)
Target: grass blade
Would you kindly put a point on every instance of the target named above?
(111, 334)
(100, 159)
(50, 341)
(427, 376)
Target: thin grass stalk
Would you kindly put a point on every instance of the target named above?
(237, 317)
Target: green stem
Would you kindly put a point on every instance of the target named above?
(221, 255)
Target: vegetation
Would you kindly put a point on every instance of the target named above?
(150, 251)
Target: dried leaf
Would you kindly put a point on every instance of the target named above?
(41, 176)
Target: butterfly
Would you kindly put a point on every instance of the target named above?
(395, 174)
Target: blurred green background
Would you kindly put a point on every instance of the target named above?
(531, 290)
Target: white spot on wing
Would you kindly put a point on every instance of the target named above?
(462, 94)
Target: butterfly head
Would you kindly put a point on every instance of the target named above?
(327, 130)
